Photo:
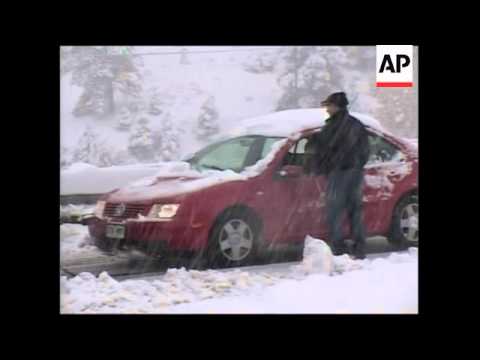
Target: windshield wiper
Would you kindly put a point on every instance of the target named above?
(213, 167)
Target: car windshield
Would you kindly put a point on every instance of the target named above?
(232, 154)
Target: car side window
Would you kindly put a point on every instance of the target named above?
(267, 146)
(297, 153)
(382, 151)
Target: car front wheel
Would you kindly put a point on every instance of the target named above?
(234, 240)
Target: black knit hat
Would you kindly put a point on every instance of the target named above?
(338, 98)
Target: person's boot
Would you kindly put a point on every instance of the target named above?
(339, 249)
(359, 251)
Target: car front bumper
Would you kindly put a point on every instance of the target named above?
(151, 236)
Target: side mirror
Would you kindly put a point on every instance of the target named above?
(291, 171)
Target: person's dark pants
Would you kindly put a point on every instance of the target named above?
(344, 193)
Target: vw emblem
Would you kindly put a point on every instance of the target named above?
(120, 210)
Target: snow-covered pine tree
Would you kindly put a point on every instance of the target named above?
(308, 74)
(91, 150)
(261, 62)
(101, 71)
(208, 120)
(123, 157)
(125, 118)
(155, 104)
(65, 155)
(359, 78)
(169, 141)
(86, 147)
(141, 141)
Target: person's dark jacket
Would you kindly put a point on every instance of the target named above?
(341, 144)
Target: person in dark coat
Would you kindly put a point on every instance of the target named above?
(341, 151)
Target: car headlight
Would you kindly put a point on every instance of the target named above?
(99, 208)
(163, 210)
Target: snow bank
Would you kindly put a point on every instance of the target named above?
(86, 293)
(83, 178)
(71, 210)
(382, 287)
(75, 241)
(386, 285)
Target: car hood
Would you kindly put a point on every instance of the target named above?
(154, 188)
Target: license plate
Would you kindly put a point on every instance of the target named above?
(115, 231)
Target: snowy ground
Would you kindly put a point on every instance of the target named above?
(70, 210)
(321, 283)
(75, 242)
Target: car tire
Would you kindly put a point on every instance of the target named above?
(234, 239)
(404, 228)
(108, 246)
(295, 252)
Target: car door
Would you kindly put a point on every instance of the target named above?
(308, 191)
(286, 203)
(274, 198)
(394, 167)
(380, 181)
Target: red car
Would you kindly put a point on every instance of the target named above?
(263, 196)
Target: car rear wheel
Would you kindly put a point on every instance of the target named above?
(234, 240)
(404, 230)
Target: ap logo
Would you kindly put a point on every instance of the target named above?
(394, 65)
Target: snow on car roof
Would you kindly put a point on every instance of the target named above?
(288, 122)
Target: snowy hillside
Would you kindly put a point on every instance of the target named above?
(182, 89)
(193, 99)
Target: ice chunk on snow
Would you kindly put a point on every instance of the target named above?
(345, 263)
(399, 258)
(161, 300)
(413, 251)
(317, 257)
(106, 279)
(86, 276)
